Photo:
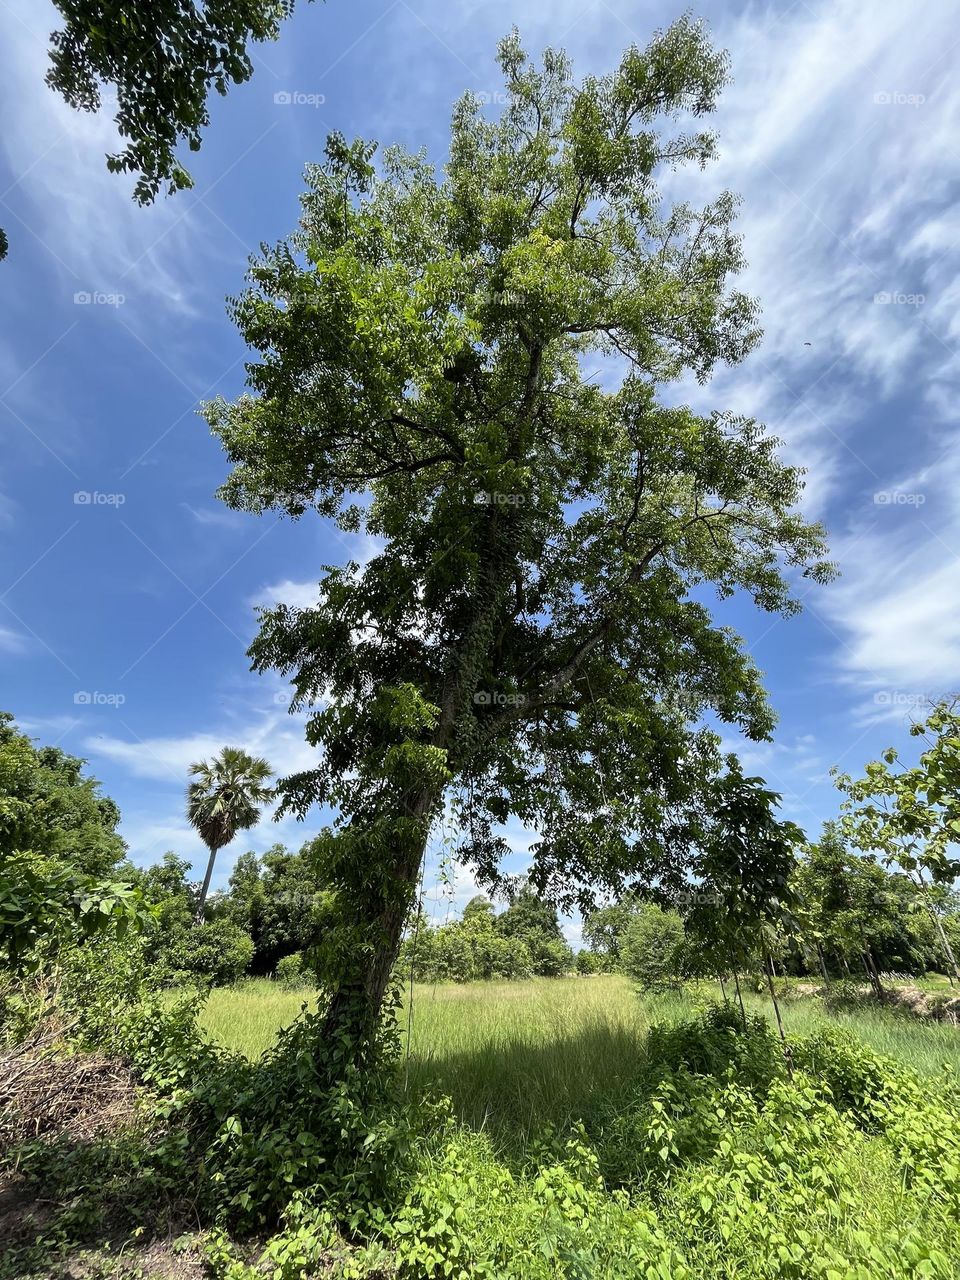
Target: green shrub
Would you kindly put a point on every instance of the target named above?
(293, 974)
(717, 1045)
(467, 1217)
(240, 1138)
(215, 953)
(550, 957)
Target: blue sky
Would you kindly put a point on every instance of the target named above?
(842, 133)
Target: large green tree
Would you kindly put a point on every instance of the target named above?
(59, 851)
(50, 807)
(470, 367)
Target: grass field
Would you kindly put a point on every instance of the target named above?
(514, 1056)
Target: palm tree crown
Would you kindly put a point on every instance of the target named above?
(224, 798)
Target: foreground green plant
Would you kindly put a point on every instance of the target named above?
(708, 1163)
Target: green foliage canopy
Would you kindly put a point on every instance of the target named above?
(59, 850)
(163, 59)
(910, 814)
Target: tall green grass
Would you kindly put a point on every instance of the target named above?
(516, 1056)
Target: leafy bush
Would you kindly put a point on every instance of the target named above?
(467, 1216)
(217, 952)
(238, 1138)
(293, 974)
(549, 956)
(46, 905)
(716, 1165)
(717, 1044)
(523, 941)
(468, 950)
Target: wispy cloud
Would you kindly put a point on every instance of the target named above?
(62, 198)
(216, 517)
(12, 641)
(276, 735)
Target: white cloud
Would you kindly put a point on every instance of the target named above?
(156, 821)
(93, 233)
(12, 641)
(299, 595)
(358, 547)
(899, 614)
(150, 834)
(275, 735)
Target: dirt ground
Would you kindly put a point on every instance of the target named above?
(49, 1094)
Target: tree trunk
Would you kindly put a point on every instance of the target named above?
(948, 949)
(787, 1057)
(823, 970)
(354, 1008)
(205, 887)
(743, 1012)
(871, 969)
(356, 1001)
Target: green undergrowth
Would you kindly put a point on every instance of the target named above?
(720, 1164)
(708, 1154)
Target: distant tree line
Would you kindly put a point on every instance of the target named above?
(269, 910)
(522, 941)
(765, 901)
(851, 917)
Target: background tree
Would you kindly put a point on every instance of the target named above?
(274, 899)
(745, 878)
(604, 930)
(531, 920)
(527, 642)
(177, 948)
(48, 806)
(225, 798)
(861, 915)
(653, 948)
(61, 872)
(163, 58)
(911, 815)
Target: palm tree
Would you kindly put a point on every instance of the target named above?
(225, 798)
